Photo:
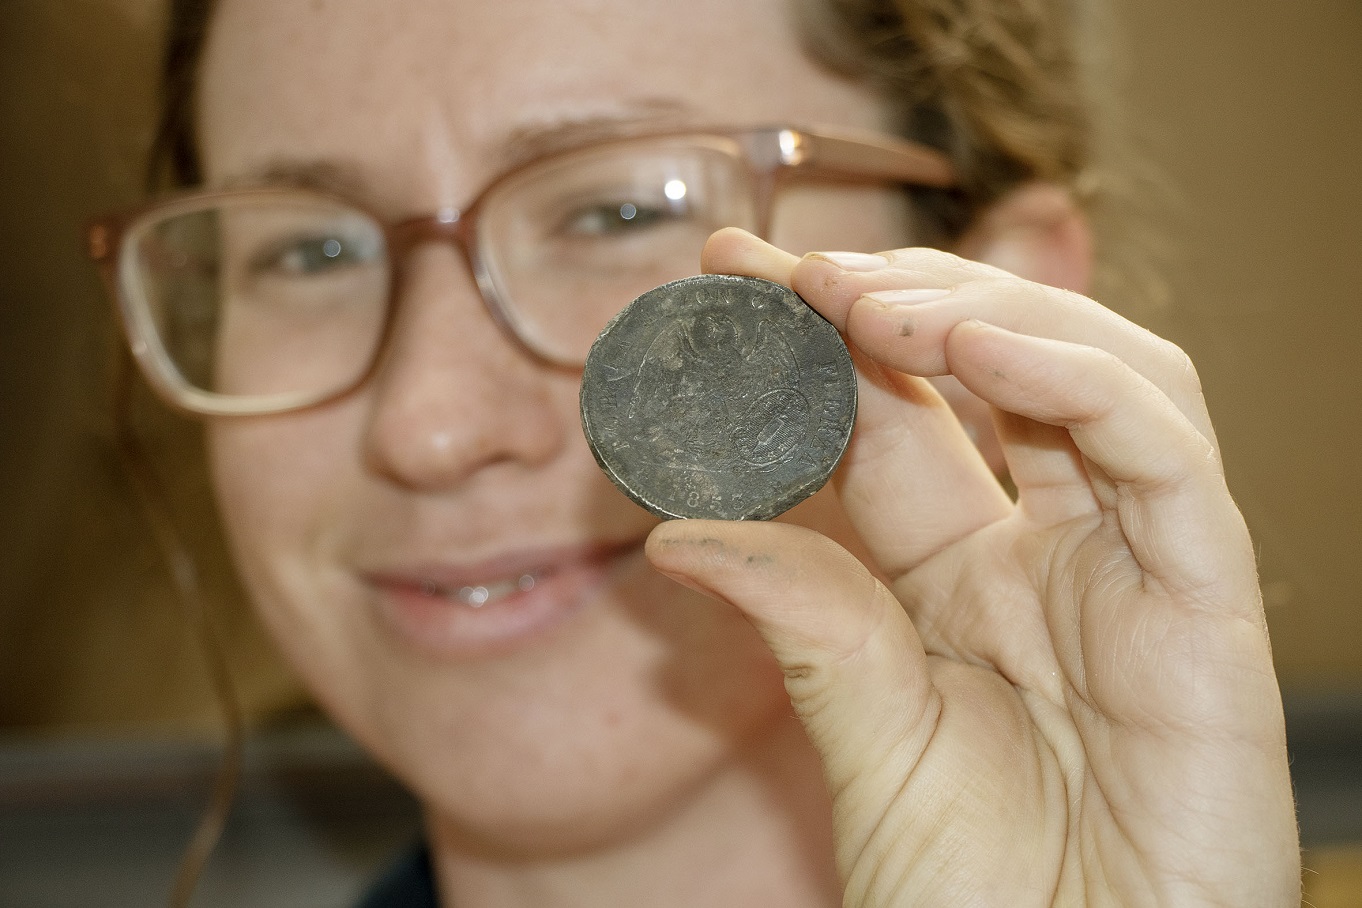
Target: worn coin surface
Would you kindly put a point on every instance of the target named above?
(718, 396)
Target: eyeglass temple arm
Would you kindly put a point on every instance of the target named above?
(782, 151)
(867, 155)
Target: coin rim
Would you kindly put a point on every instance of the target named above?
(765, 510)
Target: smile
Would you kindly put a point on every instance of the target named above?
(482, 594)
(497, 604)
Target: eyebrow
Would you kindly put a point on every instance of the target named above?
(301, 173)
(525, 142)
(542, 137)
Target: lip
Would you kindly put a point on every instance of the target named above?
(497, 605)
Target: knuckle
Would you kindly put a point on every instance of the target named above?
(812, 279)
(1177, 365)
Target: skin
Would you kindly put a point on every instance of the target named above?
(1068, 698)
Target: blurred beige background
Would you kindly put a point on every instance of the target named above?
(1252, 109)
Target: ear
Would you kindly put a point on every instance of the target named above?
(1036, 232)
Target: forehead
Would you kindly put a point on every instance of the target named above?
(422, 92)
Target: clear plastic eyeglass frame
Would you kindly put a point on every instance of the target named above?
(771, 157)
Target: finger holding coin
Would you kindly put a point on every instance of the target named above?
(912, 478)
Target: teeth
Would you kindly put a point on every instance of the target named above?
(478, 596)
(475, 596)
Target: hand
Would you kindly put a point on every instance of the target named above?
(1064, 700)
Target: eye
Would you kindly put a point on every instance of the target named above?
(612, 218)
(319, 253)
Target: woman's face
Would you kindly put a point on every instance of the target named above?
(587, 695)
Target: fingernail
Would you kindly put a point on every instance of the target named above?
(907, 297)
(852, 261)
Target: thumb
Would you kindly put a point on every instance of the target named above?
(854, 665)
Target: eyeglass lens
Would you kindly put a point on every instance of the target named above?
(265, 295)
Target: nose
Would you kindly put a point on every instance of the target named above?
(453, 394)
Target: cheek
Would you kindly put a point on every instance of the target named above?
(266, 472)
(277, 485)
(287, 490)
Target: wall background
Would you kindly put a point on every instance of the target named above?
(1254, 109)
(1249, 107)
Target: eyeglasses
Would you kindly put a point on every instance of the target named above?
(259, 301)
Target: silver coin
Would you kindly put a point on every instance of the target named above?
(718, 396)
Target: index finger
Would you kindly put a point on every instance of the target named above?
(912, 482)
(885, 305)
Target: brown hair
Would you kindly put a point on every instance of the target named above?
(994, 83)
(174, 156)
(1010, 90)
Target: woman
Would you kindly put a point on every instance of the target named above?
(1063, 700)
